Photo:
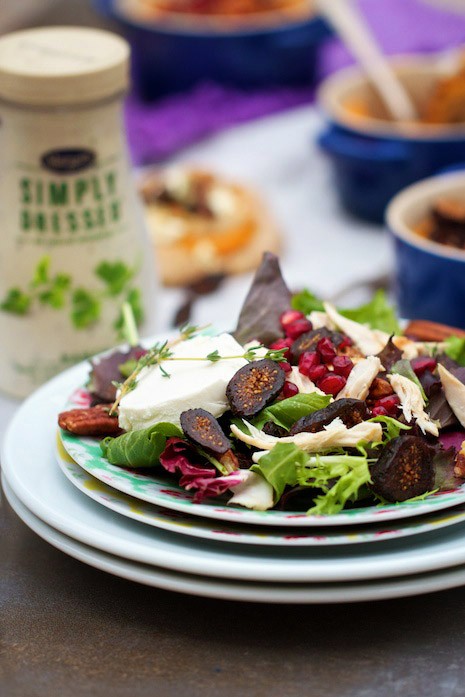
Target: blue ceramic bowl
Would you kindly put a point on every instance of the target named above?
(429, 277)
(374, 158)
(170, 58)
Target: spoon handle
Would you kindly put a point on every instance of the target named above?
(350, 26)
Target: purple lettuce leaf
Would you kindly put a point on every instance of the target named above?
(389, 355)
(105, 371)
(266, 300)
(443, 465)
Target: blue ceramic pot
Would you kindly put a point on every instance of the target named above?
(429, 277)
(171, 59)
(373, 159)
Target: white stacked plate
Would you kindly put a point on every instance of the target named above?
(144, 528)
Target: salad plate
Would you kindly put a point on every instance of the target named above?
(239, 591)
(184, 524)
(305, 416)
(31, 471)
(159, 489)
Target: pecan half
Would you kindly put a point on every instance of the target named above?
(423, 330)
(380, 388)
(459, 469)
(95, 421)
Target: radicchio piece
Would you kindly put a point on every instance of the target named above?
(180, 456)
(105, 371)
(208, 487)
(452, 439)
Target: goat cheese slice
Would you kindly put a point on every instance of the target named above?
(193, 384)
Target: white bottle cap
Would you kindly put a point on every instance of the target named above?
(54, 66)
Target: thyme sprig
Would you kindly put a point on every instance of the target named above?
(162, 353)
(159, 352)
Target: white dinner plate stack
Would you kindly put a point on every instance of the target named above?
(143, 528)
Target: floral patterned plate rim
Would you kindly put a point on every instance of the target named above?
(158, 488)
(182, 523)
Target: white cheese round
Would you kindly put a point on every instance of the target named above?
(193, 384)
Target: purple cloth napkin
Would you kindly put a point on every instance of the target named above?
(157, 131)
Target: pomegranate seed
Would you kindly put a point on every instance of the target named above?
(282, 344)
(326, 349)
(389, 403)
(289, 389)
(287, 367)
(422, 364)
(345, 343)
(290, 316)
(342, 366)
(297, 328)
(331, 383)
(379, 411)
(308, 360)
(317, 372)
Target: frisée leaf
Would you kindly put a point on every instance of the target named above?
(340, 477)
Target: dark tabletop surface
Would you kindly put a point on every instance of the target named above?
(68, 629)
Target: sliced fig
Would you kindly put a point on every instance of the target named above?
(254, 386)
(350, 411)
(309, 341)
(272, 429)
(203, 429)
(404, 469)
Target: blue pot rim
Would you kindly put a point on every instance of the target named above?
(420, 191)
(107, 7)
(377, 128)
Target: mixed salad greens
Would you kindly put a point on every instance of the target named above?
(319, 409)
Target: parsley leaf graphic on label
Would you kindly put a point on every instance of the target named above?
(16, 302)
(116, 275)
(86, 308)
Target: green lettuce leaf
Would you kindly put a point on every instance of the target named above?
(286, 412)
(306, 302)
(279, 466)
(392, 428)
(455, 348)
(139, 448)
(405, 369)
(340, 477)
(377, 314)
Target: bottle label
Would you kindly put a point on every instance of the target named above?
(73, 243)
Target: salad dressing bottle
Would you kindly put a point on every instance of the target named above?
(74, 244)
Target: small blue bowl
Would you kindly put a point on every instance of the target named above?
(429, 277)
(169, 58)
(373, 158)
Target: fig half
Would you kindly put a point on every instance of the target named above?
(254, 386)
